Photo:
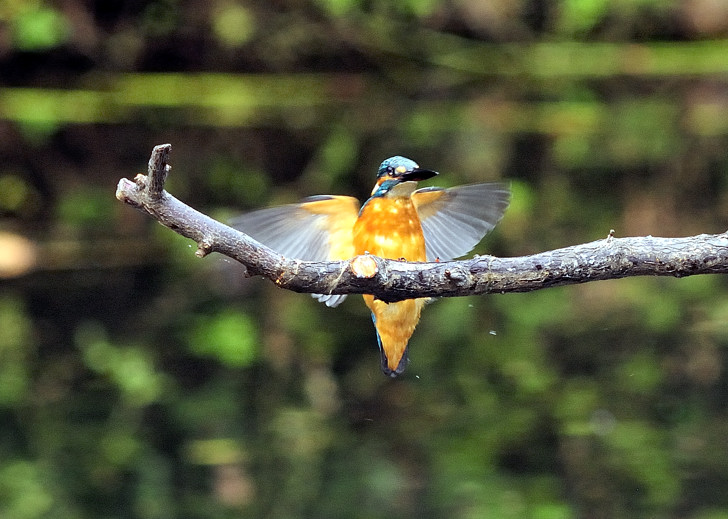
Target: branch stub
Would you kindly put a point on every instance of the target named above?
(364, 267)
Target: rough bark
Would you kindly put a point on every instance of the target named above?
(391, 280)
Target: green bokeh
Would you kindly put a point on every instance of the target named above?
(39, 28)
(229, 336)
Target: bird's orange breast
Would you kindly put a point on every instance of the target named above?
(390, 228)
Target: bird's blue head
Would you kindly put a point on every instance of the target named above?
(396, 170)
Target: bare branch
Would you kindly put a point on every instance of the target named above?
(391, 280)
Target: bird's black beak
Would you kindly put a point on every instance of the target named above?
(417, 174)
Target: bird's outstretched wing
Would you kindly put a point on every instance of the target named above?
(317, 229)
(454, 220)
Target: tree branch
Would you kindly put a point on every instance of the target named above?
(391, 280)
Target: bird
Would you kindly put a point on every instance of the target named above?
(398, 221)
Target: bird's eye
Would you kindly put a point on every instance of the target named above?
(390, 171)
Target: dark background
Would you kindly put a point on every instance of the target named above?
(139, 381)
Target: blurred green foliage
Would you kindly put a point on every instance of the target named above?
(39, 27)
(138, 381)
(15, 351)
(229, 336)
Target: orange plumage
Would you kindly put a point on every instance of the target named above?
(397, 222)
(390, 228)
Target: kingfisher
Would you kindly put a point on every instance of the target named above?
(398, 221)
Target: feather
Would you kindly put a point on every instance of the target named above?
(317, 229)
(454, 220)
